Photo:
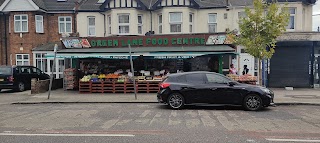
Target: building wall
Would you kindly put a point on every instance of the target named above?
(23, 43)
(303, 19)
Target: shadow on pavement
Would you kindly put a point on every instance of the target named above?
(214, 107)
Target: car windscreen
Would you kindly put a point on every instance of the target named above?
(5, 70)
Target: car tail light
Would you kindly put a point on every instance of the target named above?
(164, 85)
(10, 78)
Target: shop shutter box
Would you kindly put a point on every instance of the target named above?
(289, 66)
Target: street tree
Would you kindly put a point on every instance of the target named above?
(260, 28)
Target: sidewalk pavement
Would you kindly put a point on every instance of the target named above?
(282, 97)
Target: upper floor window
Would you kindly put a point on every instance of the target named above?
(292, 12)
(212, 23)
(91, 26)
(175, 21)
(191, 22)
(21, 23)
(140, 24)
(22, 59)
(109, 24)
(39, 23)
(160, 23)
(124, 22)
(242, 14)
(65, 24)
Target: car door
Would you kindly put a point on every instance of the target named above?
(194, 89)
(25, 72)
(220, 91)
(37, 73)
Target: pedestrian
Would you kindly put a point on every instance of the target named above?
(232, 69)
(245, 70)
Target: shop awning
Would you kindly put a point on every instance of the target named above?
(149, 52)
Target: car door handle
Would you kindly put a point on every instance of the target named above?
(213, 88)
(187, 88)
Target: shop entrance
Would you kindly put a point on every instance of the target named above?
(316, 83)
(58, 69)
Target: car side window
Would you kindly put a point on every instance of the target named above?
(213, 78)
(194, 78)
(25, 70)
(35, 70)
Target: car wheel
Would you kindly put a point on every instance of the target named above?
(176, 101)
(21, 86)
(252, 102)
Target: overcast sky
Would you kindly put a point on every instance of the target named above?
(316, 19)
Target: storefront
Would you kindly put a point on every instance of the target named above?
(102, 64)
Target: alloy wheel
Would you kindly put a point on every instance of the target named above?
(253, 102)
(176, 101)
(21, 86)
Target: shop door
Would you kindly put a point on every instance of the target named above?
(58, 69)
(316, 71)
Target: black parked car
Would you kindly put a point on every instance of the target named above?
(19, 77)
(179, 89)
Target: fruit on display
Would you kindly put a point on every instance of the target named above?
(85, 79)
(112, 76)
(102, 76)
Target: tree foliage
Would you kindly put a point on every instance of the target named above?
(260, 28)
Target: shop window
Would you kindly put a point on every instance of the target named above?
(212, 23)
(21, 23)
(124, 22)
(65, 24)
(160, 23)
(140, 24)
(191, 22)
(39, 23)
(41, 62)
(22, 59)
(109, 24)
(175, 20)
(91, 26)
(291, 24)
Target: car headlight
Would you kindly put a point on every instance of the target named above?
(266, 90)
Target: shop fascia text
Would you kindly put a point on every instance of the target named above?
(148, 42)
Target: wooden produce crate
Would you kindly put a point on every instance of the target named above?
(97, 87)
(84, 87)
(108, 87)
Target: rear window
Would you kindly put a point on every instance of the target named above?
(5, 70)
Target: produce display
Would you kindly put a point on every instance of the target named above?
(243, 78)
(70, 79)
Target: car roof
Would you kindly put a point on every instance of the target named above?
(193, 72)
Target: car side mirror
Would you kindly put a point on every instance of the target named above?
(232, 83)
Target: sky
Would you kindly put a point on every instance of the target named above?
(316, 19)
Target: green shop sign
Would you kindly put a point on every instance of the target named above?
(148, 42)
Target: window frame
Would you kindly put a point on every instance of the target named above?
(294, 18)
(191, 23)
(41, 23)
(91, 26)
(21, 23)
(123, 24)
(109, 24)
(215, 24)
(42, 60)
(23, 60)
(160, 23)
(65, 22)
(140, 24)
(171, 23)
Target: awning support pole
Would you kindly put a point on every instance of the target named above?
(132, 70)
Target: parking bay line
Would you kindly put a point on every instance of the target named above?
(70, 135)
(293, 140)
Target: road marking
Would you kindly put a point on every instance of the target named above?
(293, 140)
(70, 135)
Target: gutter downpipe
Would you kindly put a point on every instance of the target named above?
(104, 25)
(5, 37)
(150, 20)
